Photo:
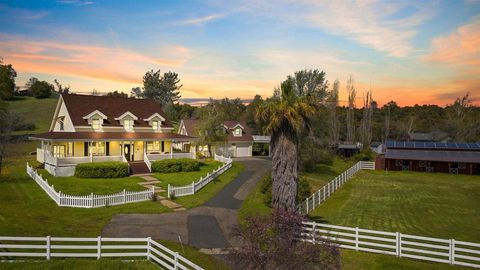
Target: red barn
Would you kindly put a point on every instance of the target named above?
(452, 158)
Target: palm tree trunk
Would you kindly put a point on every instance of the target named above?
(284, 172)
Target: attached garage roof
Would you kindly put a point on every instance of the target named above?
(110, 136)
(433, 155)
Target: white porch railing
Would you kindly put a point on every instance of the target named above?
(92, 200)
(94, 247)
(65, 161)
(147, 162)
(326, 191)
(203, 181)
(449, 251)
(153, 157)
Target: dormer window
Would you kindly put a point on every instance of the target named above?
(155, 125)
(128, 124)
(95, 119)
(96, 124)
(237, 132)
(155, 121)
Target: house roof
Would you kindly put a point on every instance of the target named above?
(110, 136)
(79, 106)
(433, 155)
(190, 126)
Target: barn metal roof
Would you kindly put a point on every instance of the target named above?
(434, 155)
(432, 145)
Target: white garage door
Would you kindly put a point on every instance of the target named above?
(243, 151)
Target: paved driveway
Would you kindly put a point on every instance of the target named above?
(208, 226)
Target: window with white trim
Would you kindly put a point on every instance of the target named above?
(97, 148)
(128, 124)
(237, 132)
(59, 151)
(96, 124)
(153, 146)
(155, 125)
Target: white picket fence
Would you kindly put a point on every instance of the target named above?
(440, 250)
(326, 191)
(203, 181)
(92, 200)
(93, 247)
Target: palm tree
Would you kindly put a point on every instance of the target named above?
(287, 115)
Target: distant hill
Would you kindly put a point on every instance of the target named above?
(37, 111)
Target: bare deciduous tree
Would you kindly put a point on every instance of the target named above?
(352, 94)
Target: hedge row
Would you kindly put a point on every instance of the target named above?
(112, 169)
(175, 165)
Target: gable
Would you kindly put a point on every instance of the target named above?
(61, 115)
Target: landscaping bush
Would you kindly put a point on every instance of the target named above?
(303, 189)
(365, 155)
(113, 169)
(175, 165)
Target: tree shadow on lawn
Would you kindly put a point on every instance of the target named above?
(318, 219)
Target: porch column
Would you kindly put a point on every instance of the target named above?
(90, 151)
(171, 149)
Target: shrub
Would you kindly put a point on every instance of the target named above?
(199, 155)
(175, 165)
(271, 242)
(365, 155)
(112, 169)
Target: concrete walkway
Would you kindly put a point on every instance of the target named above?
(150, 182)
(208, 227)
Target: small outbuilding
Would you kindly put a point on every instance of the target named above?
(455, 158)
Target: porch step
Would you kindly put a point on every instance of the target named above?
(138, 167)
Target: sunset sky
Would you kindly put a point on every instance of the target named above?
(425, 52)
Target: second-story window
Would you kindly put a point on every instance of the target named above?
(128, 124)
(238, 132)
(155, 125)
(96, 124)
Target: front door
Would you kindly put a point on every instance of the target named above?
(127, 152)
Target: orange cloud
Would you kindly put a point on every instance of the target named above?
(461, 48)
(95, 62)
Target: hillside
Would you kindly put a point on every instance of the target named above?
(37, 111)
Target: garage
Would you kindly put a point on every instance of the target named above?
(243, 151)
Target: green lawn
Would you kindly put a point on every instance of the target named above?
(186, 178)
(325, 173)
(100, 186)
(37, 111)
(210, 190)
(436, 205)
(424, 206)
(80, 264)
(27, 211)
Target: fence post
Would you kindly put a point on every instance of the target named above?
(153, 190)
(176, 261)
(324, 191)
(452, 251)
(99, 247)
(48, 247)
(60, 198)
(124, 196)
(193, 187)
(168, 191)
(356, 239)
(149, 240)
(399, 244)
(314, 232)
(307, 204)
(91, 199)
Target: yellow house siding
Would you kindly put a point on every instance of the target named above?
(78, 149)
(115, 148)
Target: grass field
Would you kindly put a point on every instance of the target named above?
(325, 173)
(37, 111)
(436, 205)
(210, 190)
(424, 206)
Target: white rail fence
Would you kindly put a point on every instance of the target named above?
(449, 251)
(92, 200)
(203, 181)
(326, 191)
(93, 247)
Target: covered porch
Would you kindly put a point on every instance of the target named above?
(75, 148)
